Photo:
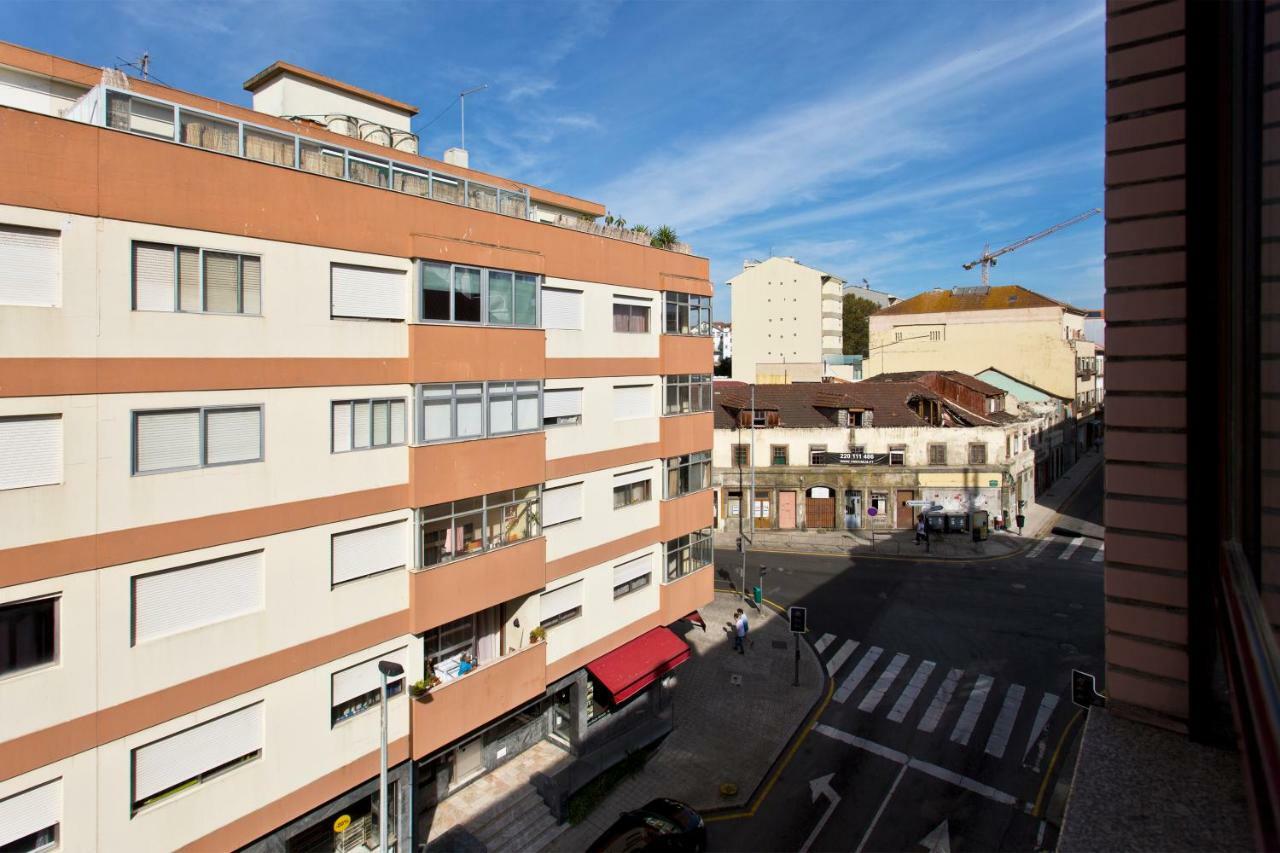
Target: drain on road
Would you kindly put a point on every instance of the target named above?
(780, 644)
(735, 680)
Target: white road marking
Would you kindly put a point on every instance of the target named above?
(859, 672)
(883, 683)
(1047, 704)
(1071, 549)
(875, 820)
(823, 642)
(1099, 554)
(842, 655)
(822, 787)
(912, 691)
(1044, 543)
(940, 700)
(999, 738)
(972, 710)
(938, 841)
(923, 766)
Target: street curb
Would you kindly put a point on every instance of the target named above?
(1020, 549)
(1057, 513)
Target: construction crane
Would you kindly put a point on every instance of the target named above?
(988, 259)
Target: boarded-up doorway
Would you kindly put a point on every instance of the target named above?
(787, 510)
(820, 508)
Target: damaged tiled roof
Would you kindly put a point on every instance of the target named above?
(999, 298)
(954, 375)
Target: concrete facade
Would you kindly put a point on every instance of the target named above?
(784, 311)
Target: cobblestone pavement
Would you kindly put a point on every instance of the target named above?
(733, 716)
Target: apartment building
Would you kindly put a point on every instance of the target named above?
(281, 400)
(853, 455)
(784, 314)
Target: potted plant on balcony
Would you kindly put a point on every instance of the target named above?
(422, 686)
(537, 634)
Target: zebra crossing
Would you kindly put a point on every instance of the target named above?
(967, 706)
(1074, 548)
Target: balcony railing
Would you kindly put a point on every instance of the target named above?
(107, 106)
(591, 226)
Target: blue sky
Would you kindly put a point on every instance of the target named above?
(878, 140)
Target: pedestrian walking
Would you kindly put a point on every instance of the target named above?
(739, 631)
(920, 532)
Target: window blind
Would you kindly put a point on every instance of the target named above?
(397, 421)
(30, 260)
(360, 436)
(557, 601)
(632, 569)
(189, 280)
(366, 292)
(153, 278)
(341, 426)
(561, 402)
(221, 283)
(233, 435)
(30, 451)
(165, 440)
(628, 477)
(632, 401)
(563, 503)
(161, 765)
(31, 811)
(363, 678)
(177, 600)
(359, 553)
(561, 309)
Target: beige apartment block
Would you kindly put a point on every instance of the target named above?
(784, 313)
(280, 400)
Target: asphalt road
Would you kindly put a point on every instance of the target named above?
(950, 696)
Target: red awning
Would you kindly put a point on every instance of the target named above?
(627, 670)
(696, 618)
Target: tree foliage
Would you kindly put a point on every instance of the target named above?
(857, 312)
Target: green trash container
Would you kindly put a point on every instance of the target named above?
(757, 594)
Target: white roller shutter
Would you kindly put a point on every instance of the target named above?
(628, 477)
(366, 292)
(632, 401)
(557, 601)
(233, 435)
(358, 553)
(30, 260)
(397, 421)
(341, 426)
(166, 440)
(161, 765)
(561, 309)
(561, 402)
(31, 811)
(30, 451)
(363, 678)
(561, 504)
(178, 600)
(360, 417)
(154, 273)
(632, 569)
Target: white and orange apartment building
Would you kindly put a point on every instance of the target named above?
(280, 399)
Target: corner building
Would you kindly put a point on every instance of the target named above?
(281, 399)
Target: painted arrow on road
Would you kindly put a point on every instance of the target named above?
(938, 841)
(820, 787)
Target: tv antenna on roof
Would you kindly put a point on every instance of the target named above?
(462, 99)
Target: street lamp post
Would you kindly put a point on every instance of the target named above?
(387, 669)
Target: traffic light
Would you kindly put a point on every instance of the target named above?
(799, 618)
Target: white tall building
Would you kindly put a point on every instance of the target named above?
(784, 313)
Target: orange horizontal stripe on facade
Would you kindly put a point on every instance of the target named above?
(45, 746)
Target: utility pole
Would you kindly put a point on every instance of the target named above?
(462, 100)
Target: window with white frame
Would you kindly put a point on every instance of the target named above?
(454, 293)
(365, 424)
(684, 393)
(175, 439)
(689, 553)
(898, 455)
(28, 634)
(460, 528)
(368, 551)
(188, 597)
(632, 487)
(192, 280)
(688, 473)
(632, 575)
(631, 315)
(358, 688)
(194, 756)
(30, 820)
(687, 314)
(366, 293)
(561, 308)
(632, 401)
(561, 406)
(475, 409)
(30, 266)
(30, 451)
(816, 452)
(561, 504)
(560, 605)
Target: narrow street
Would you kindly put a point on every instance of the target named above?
(950, 695)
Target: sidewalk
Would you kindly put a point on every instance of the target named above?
(734, 714)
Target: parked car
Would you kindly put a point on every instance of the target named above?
(662, 824)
